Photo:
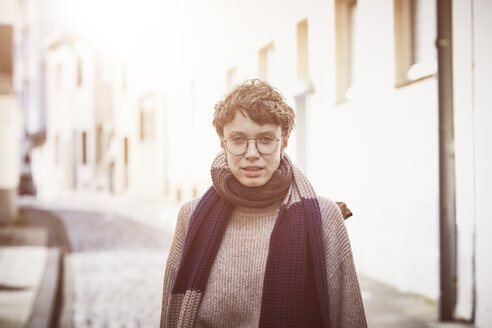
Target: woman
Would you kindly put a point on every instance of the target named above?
(259, 248)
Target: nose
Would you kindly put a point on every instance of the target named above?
(251, 150)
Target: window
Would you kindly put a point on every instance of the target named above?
(125, 160)
(79, 71)
(6, 60)
(99, 143)
(125, 147)
(265, 61)
(6, 51)
(57, 149)
(415, 34)
(58, 76)
(147, 115)
(231, 78)
(84, 148)
(346, 48)
(302, 50)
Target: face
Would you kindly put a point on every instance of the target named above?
(252, 169)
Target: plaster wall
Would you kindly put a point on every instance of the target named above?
(377, 152)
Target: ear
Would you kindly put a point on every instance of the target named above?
(222, 144)
(285, 142)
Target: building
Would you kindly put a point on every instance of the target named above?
(10, 112)
(366, 121)
(362, 77)
(106, 121)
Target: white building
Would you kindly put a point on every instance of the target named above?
(10, 112)
(106, 121)
(67, 158)
(362, 76)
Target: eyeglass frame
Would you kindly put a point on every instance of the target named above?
(256, 145)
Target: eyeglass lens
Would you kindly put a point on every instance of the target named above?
(238, 146)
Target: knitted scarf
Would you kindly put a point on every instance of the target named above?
(295, 283)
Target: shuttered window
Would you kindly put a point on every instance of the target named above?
(265, 62)
(231, 78)
(415, 34)
(302, 50)
(147, 117)
(346, 49)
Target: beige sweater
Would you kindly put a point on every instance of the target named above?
(234, 287)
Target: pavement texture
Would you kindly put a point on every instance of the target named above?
(85, 261)
(29, 260)
(386, 307)
(117, 268)
(20, 280)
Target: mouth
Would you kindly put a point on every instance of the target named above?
(252, 171)
(252, 168)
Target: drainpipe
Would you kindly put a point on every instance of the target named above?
(447, 213)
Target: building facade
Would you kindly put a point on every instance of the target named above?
(362, 77)
(367, 124)
(10, 111)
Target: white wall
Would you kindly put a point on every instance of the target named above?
(473, 118)
(483, 158)
(380, 156)
(465, 154)
(378, 153)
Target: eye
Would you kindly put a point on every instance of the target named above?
(266, 140)
(237, 140)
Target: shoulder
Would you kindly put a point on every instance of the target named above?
(329, 209)
(337, 243)
(185, 213)
(187, 208)
(183, 220)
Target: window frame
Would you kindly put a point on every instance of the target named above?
(404, 20)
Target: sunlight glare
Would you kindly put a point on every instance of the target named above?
(118, 27)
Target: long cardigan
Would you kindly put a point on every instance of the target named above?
(233, 294)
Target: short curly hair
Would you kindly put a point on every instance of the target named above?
(258, 100)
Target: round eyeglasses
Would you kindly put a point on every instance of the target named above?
(266, 145)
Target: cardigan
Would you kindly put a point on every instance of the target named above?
(235, 284)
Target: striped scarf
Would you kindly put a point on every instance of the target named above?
(295, 284)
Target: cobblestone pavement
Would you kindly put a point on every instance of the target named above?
(117, 270)
(118, 266)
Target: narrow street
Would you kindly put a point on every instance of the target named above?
(113, 267)
(113, 272)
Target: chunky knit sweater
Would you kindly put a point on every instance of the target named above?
(234, 287)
